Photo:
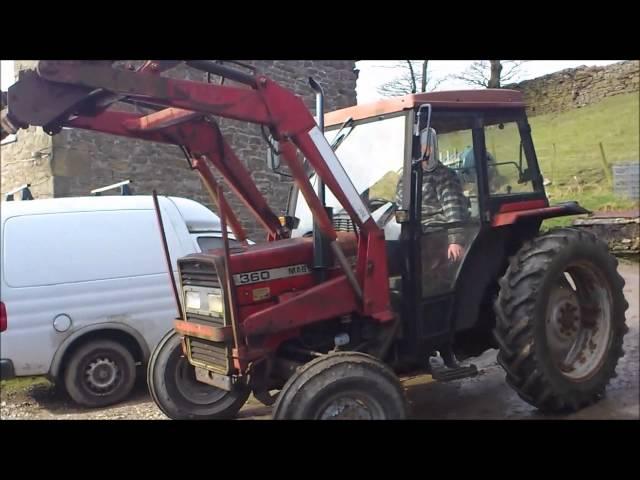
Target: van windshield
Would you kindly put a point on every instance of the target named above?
(213, 243)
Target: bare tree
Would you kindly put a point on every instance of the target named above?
(412, 74)
(491, 73)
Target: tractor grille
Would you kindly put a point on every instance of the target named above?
(199, 274)
(211, 355)
(214, 356)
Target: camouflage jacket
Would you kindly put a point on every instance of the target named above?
(443, 200)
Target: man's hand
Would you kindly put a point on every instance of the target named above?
(455, 252)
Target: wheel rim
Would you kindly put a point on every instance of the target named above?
(102, 375)
(350, 406)
(191, 389)
(578, 322)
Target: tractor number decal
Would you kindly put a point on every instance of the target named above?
(272, 274)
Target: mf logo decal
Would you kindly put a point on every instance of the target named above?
(272, 274)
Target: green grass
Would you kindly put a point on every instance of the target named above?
(593, 201)
(576, 134)
(21, 383)
(575, 169)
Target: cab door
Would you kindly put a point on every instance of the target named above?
(446, 219)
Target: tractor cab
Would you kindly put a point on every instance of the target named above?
(386, 140)
(449, 176)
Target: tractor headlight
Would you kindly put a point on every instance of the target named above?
(192, 300)
(216, 304)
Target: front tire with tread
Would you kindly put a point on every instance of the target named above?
(169, 376)
(352, 378)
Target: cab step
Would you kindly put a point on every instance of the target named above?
(454, 371)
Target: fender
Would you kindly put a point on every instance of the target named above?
(511, 213)
(70, 340)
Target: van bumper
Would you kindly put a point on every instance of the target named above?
(6, 369)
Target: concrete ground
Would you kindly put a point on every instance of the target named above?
(486, 396)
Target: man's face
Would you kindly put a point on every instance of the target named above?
(429, 151)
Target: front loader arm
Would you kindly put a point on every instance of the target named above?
(74, 94)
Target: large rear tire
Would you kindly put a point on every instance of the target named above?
(175, 390)
(561, 320)
(342, 386)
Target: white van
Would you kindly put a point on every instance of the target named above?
(85, 294)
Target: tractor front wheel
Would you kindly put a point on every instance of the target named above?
(342, 386)
(561, 320)
(175, 390)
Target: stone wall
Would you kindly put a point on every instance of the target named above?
(78, 161)
(578, 87)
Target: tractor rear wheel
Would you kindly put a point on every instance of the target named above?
(175, 390)
(342, 386)
(561, 320)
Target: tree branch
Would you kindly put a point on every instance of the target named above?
(408, 80)
(413, 76)
(491, 73)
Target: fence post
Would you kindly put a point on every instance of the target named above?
(553, 163)
(605, 165)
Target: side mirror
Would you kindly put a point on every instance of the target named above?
(273, 159)
(421, 130)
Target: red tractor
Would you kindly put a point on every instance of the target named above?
(411, 243)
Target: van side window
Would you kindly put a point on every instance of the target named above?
(76, 247)
(212, 243)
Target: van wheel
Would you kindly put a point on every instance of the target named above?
(100, 373)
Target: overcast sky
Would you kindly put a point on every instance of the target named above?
(373, 74)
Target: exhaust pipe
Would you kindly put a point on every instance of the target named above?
(321, 252)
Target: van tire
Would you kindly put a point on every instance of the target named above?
(100, 373)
